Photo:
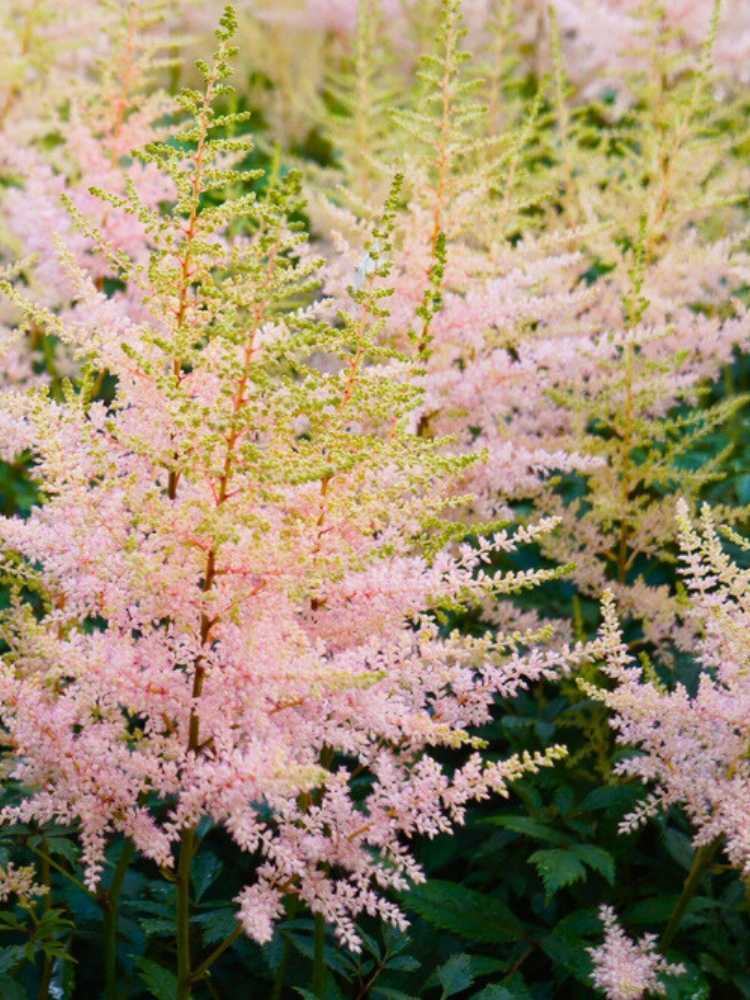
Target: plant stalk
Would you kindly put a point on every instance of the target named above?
(701, 860)
(111, 907)
(319, 957)
(184, 866)
(216, 953)
(47, 962)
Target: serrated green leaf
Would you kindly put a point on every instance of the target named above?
(216, 924)
(596, 858)
(157, 927)
(11, 956)
(370, 944)
(160, 981)
(469, 914)
(529, 828)
(206, 869)
(63, 847)
(455, 975)
(403, 963)
(557, 869)
(394, 939)
(484, 965)
(515, 989)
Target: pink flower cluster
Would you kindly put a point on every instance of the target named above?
(626, 969)
(245, 556)
(692, 744)
(603, 39)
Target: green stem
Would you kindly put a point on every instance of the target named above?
(280, 976)
(59, 868)
(292, 905)
(216, 953)
(110, 903)
(184, 866)
(47, 965)
(319, 958)
(701, 860)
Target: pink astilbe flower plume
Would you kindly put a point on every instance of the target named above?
(625, 969)
(692, 745)
(245, 559)
(97, 104)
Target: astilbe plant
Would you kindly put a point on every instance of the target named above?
(240, 563)
(604, 38)
(95, 107)
(663, 319)
(625, 969)
(601, 39)
(688, 745)
(481, 311)
(525, 356)
(692, 743)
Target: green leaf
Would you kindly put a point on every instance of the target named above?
(495, 993)
(10, 989)
(469, 914)
(582, 923)
(692, 985)
(62, 846)
(335, 959)
(615, 798)
(206, 869)
(516, 989)
(216, 924)
(403, 963)
(332, 992)
(680, 847)
(597, 858)
(370, 944)
(157, 927)
(10, 957)
(456, 975)
(160, 981)
(568, 952)
(529, 828)
(386, 993)
(484, 965)
(658, 909)
(557, 869)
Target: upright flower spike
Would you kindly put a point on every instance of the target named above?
(79, 134)
(486, 319)
(363, 87)
(663, 318)
(602, 39)
(242, 559)
(692, 746)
